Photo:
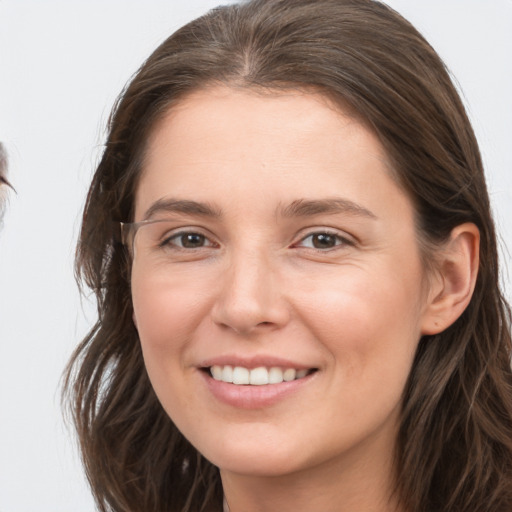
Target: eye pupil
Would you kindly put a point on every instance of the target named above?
(192, 240)
(323, 241)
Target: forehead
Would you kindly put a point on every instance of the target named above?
(253, 109)
(242, 142)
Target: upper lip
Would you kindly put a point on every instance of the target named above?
(255, 361)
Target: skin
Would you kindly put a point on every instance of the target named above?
(258, 287)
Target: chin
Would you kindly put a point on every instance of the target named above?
(259, 465)
(253, 457)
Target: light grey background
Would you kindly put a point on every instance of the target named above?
(62, 63)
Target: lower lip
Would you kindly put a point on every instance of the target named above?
(254, 397)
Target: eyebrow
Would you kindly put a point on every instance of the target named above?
(297, 208)
(171, 205)
(308, 208)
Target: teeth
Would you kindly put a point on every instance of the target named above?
(216, 372)
(289, 374)
(227, 374)
(301, 374)
(240, 375)
(275, 376)
(257, 376)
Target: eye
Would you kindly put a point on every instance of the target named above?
(188, 240)
(323, 240)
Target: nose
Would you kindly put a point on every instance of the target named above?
(250, 298)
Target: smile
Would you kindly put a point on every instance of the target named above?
(259, 376)
(257, 382)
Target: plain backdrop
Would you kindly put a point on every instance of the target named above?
(62, 64)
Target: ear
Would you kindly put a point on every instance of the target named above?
(134, 318)
(453, 282)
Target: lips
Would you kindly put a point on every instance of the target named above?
(255, 383)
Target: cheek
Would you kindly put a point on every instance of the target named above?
(166, 312)
(367, 322)
(167, 315)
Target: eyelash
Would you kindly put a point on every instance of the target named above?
(339, 241)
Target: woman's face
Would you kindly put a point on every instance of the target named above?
(290, 261)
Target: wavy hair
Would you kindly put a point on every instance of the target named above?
(454, 451)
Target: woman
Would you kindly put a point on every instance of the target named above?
(290, 240)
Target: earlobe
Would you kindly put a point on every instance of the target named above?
(454, 282)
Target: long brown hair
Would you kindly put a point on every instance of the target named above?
(455, 441)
